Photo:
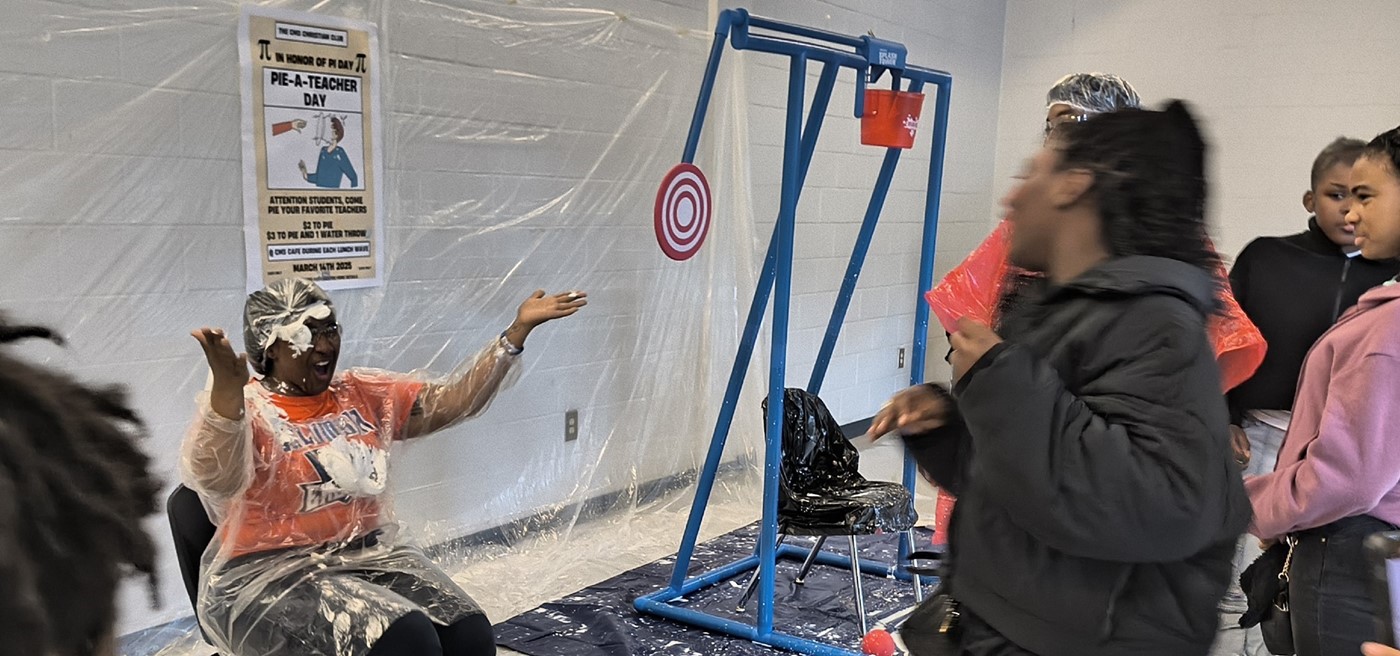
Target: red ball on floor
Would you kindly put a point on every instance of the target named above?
(878, 642)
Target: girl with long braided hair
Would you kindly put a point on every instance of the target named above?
(74, 489)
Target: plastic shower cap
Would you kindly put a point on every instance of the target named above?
(279, 311)
(1093, 93)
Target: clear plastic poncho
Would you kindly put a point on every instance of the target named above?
(307, 558)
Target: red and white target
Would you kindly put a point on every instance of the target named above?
(682, 212)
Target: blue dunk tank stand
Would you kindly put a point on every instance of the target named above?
(870, 58)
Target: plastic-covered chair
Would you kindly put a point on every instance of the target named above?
(192, 531)
(822, 493)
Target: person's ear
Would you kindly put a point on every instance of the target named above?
(1309, 201)
(1071, 186)
(269, 359)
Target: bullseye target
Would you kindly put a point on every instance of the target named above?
(682, 212)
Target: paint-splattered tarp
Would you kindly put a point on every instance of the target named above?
(600, 620)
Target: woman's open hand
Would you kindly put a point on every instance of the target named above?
(229, 369)
(540, 307)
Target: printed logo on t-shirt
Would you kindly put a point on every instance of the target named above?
(323, 492)
(345, 469)
(316, 433)
(314, 436)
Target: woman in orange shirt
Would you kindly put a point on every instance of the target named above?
(292, 466)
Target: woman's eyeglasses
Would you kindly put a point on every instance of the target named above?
(1057, 121)
(331, 331)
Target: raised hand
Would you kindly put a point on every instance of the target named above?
(540, 308)
(229, 369)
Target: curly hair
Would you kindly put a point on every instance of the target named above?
(74, 488)
(1149, 180)
(1385, 148)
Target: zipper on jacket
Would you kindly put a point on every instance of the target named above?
(1111, 613)
(1341, 290)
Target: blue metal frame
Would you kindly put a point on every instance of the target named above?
(870, 58)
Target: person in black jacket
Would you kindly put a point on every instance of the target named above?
(1088, 443)
(1293, 288)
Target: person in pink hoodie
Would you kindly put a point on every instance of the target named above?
(1337, 480)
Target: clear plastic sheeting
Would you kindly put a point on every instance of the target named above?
(296, 484)
(523, 147)
(523, 143)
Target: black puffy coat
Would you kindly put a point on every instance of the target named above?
(1098, 500)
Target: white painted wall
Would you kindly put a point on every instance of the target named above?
(1274, 81)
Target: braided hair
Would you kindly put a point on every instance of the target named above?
(74, 488)
(1149, 180)
(1385, 148)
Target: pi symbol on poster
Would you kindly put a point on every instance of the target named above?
(682, 212)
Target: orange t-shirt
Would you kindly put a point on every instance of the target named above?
(293, 501)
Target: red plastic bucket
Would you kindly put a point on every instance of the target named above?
(891, 118)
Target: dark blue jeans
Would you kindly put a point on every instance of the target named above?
(1332, 611)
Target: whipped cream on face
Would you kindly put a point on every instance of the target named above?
(295, 333)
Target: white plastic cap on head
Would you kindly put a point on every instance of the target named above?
(1093, 93)
(280, 311)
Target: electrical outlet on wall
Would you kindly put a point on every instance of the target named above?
(570, 425)
(901, 357)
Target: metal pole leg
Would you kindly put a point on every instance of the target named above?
(753, 581)
(918, 580)
(860, 595)
(809, 560)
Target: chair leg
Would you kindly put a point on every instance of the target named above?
(860, 596)
(918, 580)
(753, 580)
(809, 560)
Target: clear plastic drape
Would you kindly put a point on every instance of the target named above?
(523, 145)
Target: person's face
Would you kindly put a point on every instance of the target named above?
(1328, 200)
(309, 372)
(1374, 211)
(1031, 210)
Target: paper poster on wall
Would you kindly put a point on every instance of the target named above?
(312, 161)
